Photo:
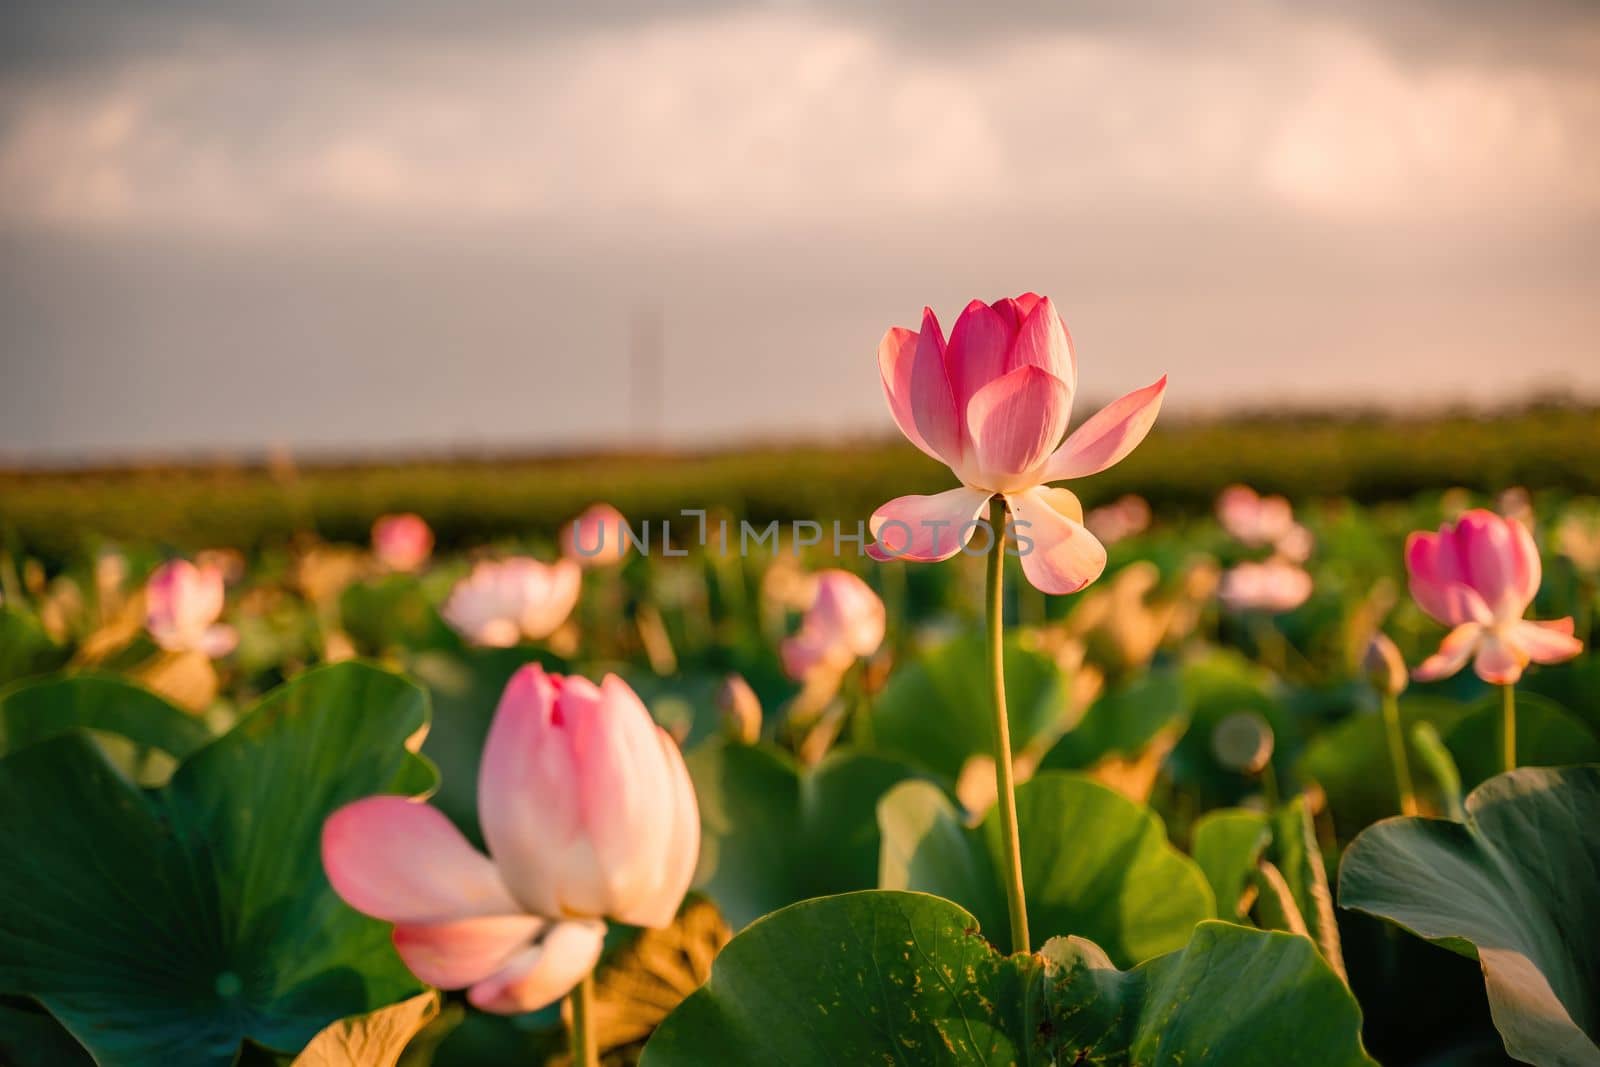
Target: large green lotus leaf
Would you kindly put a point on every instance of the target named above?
(1517, 883)
(936, 713)
(1094, 864)
(906, 978)
(1350, 762)
(1231, 996)
(1228, 846)
(166, 927)
(1548, 735)
(35, 711)
(772, 833)
(1122, 722)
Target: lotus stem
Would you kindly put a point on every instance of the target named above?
(1398, 760)
(1508, 722)
(585, 1045)
(1004, 778)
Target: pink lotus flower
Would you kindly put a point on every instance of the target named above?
(1125, 517)
(501, 603)
(402, 542)
(585, 802)
(182, 603)
(457, 925)
(596, 538)
(1253, 520)
(992, 405)
(1274, 586)
(845, 622)
(1479, 575)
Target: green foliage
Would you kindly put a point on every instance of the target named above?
(892, 977)
(168, 926)
(1094, 864)
(773, 833)
(1516, 884)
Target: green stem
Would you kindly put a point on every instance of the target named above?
(585, 1046)
(1397, 755)
(1508, 740)
(1004, 779)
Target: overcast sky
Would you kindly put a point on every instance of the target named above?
(227, 225)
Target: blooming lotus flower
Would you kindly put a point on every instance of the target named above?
(845, 622)
(585, 802)
(992, 405)
(182, 603)
(457, 925)
(1274, 586)
(402, 542)
(596, 538)
(500, 603)
(1479, 575)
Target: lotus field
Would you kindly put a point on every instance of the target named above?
(985, 778)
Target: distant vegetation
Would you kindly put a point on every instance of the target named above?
(1179, 469)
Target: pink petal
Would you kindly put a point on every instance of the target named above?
(1499, 662)
(454, 955)
(1109, 435)
(935, 407)
(399, 860)
(1487, 550)
(528, 800)
(1437, 583)
(979, 345)
(926, 529)
(544, 973)
(1042, 341)
(1453, 653)
(1526, 569)
(1059, 555)
(1015, 420)
(1546, 642)
(683, 837)
(896, 355)
(218, 641)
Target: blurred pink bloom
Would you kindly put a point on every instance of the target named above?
(992, 405)
(457, 926)
(845, 622)
(1125, 517)
(1275, 586)
(182, 603)
(402, 542)
(501, 603)
(585, 802)
(1479, 575)
(596, 538)
(1296, 545)
(1252, 520)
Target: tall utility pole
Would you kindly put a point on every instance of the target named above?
(647, 376)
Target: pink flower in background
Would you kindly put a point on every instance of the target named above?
(845, 622)
(585, 802)
(182, 604)
(1478, 575)
(992, 405)
(596, 538)
(501, 603)
(1253, 520)
(1274, 586)
(402, 542)
(457, 926)
(1125, 517)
